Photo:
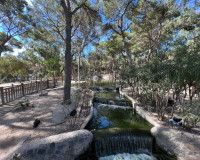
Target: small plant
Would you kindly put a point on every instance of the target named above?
(16, 156)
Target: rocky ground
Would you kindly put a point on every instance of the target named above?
(15, 122)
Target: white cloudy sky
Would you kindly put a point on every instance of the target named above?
(29, 2)
(17, 50)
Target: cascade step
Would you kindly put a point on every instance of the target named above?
(123, 144)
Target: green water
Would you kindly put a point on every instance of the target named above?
(114, 121)
(112, 116)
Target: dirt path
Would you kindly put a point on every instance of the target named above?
(15, 124)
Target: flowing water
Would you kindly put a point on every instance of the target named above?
(123, 144)
(119, 133)
(127, 156)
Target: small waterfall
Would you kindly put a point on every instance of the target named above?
(123, 144)
(112, 102)
(101, 89)
(114, 106)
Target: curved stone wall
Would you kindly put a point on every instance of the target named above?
(65, 146)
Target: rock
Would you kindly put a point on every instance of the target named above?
(95, 78)
(43, 94)
(36, 123)
(62, 111)
(22, 105)
(58, 115)
(73, 113)
(117, 89)
(175, 121)
(68, 109)
(179, 143)
(65, 146)
(16, 157)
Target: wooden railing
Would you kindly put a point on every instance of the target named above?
(8, 94)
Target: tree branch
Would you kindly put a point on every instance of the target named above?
(57, 27)
(114, 29)
(77, 8)
(75, 29)
(125, 9)
(64, 5)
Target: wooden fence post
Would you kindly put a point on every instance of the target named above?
(62, 79)
(54, 82)
(31, 88)
(47, 83)
(2, 95)
(23, 92)
(12, 92)
(37, 86)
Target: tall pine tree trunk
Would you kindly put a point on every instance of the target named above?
(66, 4)
(79, 63)
(68, 62)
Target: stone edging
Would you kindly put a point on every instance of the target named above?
(16, 147)
(179, 143)
(61, 146)
(88, 119)
(144, 114)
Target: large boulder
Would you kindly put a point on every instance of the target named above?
(62, 111)
(182, 144)
(58, 115)
(66, 146)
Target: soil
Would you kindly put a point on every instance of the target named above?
(15, 123)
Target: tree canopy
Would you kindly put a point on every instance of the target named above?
(14, 21)
(153, 45)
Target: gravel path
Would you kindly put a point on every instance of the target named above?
(15, 123)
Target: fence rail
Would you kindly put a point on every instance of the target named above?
(8, 94)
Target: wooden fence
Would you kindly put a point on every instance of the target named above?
(8, 94)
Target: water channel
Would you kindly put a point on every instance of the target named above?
(119, 133)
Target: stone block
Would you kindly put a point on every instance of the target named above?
(30, 152)
(58, 115)
(50, 151)
(41, 151)
(52, 145)
(62, 146)
(179, 143)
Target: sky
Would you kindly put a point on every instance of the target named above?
(29, 2)
(87, 49)
(17, 50)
